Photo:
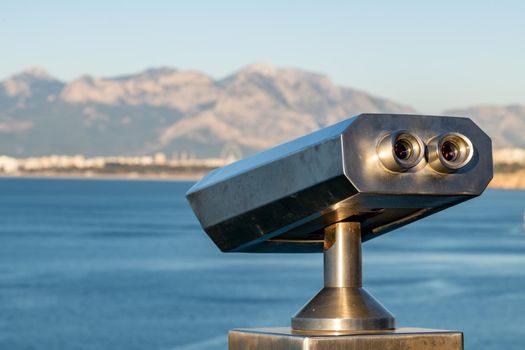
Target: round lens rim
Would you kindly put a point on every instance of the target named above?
(387, 155)
(437, 160)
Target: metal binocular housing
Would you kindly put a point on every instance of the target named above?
(331, 190)
(382, 170)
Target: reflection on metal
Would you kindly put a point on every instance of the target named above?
(328, 192)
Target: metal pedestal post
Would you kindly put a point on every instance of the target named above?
(343, 303)
(343, 315)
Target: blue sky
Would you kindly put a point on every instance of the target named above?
(432, 55)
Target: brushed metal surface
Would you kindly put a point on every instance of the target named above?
(280, 200)
(342, 255)
(343, 304)
(339, 309)
(397, 339)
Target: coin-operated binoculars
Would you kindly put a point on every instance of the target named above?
(328, 192)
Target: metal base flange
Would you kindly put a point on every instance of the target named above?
(335, 309)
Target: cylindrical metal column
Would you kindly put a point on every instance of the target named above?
(342, 255)
(343, 305)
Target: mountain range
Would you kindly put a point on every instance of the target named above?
(188, 112)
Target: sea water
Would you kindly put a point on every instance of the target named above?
(107, 264)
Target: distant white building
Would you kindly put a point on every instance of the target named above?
(509, 156)
(160, 159)
(8, 164)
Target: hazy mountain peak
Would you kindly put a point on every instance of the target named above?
(163, 86)
(37, 72)
(33, 74)
(259, 68)
(150, 73)
(31, 82)
(169, 110)
(163, 70)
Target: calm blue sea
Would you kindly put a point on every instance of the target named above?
(93, 264)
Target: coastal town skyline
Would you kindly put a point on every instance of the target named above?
(509, 166)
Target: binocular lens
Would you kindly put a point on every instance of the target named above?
(403, 149)
(447, 152)
(400, 150)
(450, 151)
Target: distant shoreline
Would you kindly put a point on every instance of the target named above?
(81, 176)
(509, 181)
(505, 181)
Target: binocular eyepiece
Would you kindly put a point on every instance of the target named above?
(449, 152)
(402, 150)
